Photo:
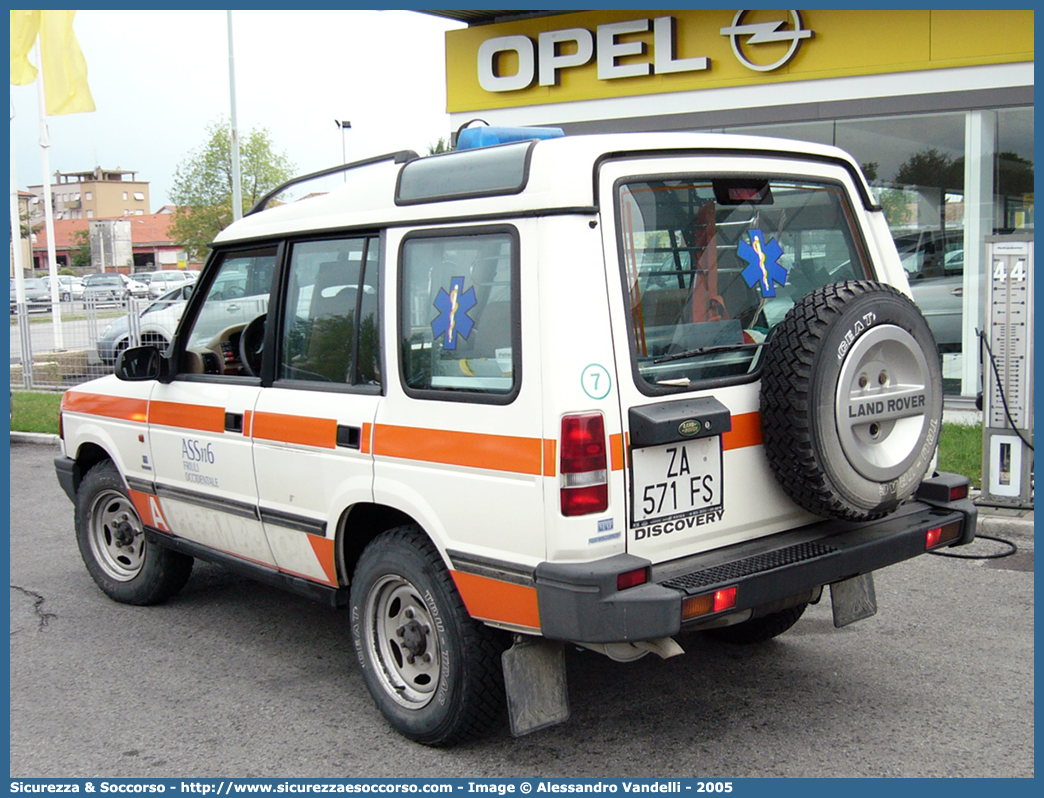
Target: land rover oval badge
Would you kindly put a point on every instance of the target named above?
(690, 427)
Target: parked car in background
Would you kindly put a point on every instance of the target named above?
(934, 265)
(105, 288)
(135, 287)
(163, 281)
(156, 325)
(37, 295)
(69, 288)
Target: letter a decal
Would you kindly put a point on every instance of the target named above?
(158, 520)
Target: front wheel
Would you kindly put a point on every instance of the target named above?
(112, 543)
(433, 671)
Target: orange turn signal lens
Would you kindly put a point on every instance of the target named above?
(718, 601)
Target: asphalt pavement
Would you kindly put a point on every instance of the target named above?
(235, 679)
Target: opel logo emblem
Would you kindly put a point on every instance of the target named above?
(763, 33)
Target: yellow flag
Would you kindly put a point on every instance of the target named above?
(64, 67)
(24, 27)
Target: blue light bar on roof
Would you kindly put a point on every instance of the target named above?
(474, 137)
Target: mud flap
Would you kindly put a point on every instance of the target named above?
(853, 599)
(535, 683)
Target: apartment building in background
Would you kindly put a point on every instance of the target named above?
(99, 194)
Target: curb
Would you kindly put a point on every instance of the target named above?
(34, 437)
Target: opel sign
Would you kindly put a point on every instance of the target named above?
(618, 54)
(764, 33)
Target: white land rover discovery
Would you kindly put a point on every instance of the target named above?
(596, 390)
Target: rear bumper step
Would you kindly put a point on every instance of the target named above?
(581, 602)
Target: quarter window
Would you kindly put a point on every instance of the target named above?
(458, 311)
(331, 333)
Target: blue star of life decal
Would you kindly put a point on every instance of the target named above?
(453, 319)
(764, 268)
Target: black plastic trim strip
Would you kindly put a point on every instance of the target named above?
(230, 506)
(296, 522)
(324, 594)
(141, 485)
(494, 569)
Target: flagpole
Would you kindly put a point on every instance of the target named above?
(52, 259)
(19, 267)
(237, 189)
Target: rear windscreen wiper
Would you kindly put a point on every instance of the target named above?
(703, 350)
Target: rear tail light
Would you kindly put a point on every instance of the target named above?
(958, 492)
(937, 536)
(718, 601)
(582, 466)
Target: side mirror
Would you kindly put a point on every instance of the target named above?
(141, 363)
(186, 292)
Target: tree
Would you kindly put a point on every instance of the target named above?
(202, 187)
(441, 146)
(81, 255)
(933, 169)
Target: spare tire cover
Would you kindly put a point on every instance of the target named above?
(851, 400)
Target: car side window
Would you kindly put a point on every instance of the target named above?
(331, 330)
(458, 314)
(236, 305)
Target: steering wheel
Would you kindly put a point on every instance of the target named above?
(252, 344)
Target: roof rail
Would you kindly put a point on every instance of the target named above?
(402, 156)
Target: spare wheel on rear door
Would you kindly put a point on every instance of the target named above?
(851, 400)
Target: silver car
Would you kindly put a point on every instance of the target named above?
(934, 264)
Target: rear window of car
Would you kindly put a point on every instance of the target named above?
(711, 264)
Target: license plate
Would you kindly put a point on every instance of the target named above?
(676, 480)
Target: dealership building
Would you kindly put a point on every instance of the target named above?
(937, 107)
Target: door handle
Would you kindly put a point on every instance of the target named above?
(349, 437)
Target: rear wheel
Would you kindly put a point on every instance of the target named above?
(433, 671)
(758, 630)
(112, 543)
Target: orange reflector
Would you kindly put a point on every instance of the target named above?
(719, 600)
(630, 579)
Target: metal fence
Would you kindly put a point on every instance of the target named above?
(56, 350)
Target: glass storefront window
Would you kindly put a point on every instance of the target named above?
(1014, 170)
(917, 164)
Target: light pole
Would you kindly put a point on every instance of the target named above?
(343, 125)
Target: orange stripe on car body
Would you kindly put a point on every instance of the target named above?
(303, 430)
(204, 418)
(616, 452)
(324, 552)
(550, 457)
(471, 449)
(494, 600)
(248, 419)
(746, 431)
(94, 404)
(367, 435)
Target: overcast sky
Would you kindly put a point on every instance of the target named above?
(158, 77)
